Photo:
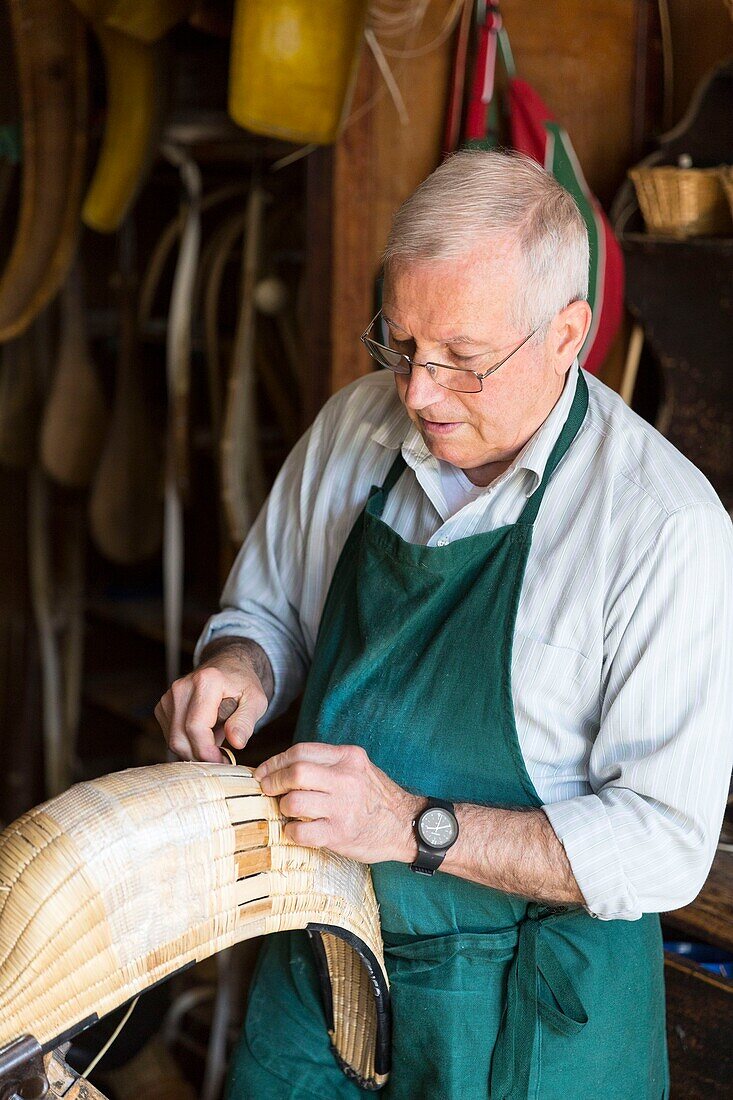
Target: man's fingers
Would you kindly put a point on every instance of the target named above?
(239, 725)
(200, 709)
(227, 708)
(309, 834)
(177, 741)
(306, 805)
(201, 714)
(315, 752)
(300, 776)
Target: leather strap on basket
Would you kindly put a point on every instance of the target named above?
(360, 1033)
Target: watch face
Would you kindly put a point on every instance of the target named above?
(437, 828)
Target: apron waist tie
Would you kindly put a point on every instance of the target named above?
(511, 1067)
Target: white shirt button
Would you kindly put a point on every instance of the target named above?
(442, 541)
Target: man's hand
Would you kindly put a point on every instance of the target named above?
(221, 700)
(340, 800)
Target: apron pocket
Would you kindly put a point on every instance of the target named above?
(448, 995)
(459, 961)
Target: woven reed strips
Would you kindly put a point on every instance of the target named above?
(354, 1008)
(121, 881)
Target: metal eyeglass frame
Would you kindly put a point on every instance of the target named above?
(367, 340)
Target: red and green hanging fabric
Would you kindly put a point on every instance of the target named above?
(533, 131)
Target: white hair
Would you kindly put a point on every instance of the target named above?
(476, 195)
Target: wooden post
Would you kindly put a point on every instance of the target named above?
(354, 189)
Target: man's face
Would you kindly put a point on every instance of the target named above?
(427, 306)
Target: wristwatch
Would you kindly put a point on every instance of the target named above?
(436, 830)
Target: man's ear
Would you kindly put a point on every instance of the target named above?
(567, 334)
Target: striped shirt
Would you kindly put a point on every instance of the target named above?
(622, 666)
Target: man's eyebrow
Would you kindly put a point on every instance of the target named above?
(454, 339)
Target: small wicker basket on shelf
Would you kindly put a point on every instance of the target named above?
(682, 202)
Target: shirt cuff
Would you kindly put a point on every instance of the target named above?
(286, 671)
(583, 827)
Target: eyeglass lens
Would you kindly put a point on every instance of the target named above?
(450, 379)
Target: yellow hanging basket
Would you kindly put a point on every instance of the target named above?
(293, 65)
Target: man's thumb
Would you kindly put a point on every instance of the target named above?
(240, 722)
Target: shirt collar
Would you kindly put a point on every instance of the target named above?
(398, 431)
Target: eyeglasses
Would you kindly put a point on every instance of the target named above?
(450, 378)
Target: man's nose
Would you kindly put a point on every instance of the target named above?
(421, 389)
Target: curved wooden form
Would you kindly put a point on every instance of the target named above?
(50, 53)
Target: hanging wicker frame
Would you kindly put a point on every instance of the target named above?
(122, 881)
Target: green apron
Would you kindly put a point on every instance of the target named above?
(491, 995)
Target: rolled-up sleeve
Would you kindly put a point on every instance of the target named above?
(261, 597)
(660, 766)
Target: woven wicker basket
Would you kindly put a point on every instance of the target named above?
(121, 881)
(682, 202)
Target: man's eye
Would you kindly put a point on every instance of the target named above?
(402, 345)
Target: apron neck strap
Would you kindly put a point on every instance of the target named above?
(570, 429)
(379, 493)
(392, 477)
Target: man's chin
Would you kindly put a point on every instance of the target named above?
(444, 449)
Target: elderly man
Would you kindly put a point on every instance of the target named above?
(509, 601)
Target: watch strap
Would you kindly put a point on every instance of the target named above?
(440, 804)
(427, 862)
(429, 859)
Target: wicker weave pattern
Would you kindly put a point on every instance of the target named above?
(682, 202)
(355, 1023)
(119, 882)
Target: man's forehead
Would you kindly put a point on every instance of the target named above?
(452, 303)
(432, 285)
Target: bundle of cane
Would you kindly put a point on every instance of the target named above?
(122, 881)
